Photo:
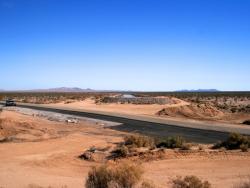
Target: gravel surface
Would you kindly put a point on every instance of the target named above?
(58, 117)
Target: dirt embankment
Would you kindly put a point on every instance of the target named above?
(14, 130)
(194, 111)
(203, 112)
(36, 152)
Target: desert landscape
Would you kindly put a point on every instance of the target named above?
(227, 107)
(124, 94)
(45, 149)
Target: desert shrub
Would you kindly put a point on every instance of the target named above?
(99, 177)
(171, 142)
(247, 122)
(139, 141)
(132, 143)
(123, 175)
(190, 182)
(201, 147)
(128, 175)
(233, 110)
(234, 141)
(244, 147)
(217, 145)
(186, 146)
(121, 151)
(147, 184)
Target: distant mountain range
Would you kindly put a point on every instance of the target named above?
(198, 90)
(59, 89)
(79, 90)
(64, 89)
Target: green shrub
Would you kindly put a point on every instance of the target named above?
(190, 182)
(123, 175)
(234, 141)
(171, 142)
(139, 141)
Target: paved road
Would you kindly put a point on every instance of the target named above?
(145, 127)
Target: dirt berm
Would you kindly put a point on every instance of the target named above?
(195, 111)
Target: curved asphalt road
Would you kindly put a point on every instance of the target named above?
(144, 127)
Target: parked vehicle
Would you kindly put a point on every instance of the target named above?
(10, 102)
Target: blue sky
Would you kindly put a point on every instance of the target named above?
(160, 45)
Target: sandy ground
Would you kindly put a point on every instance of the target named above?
(152, 111)
(222, 170)
(90, 104)
(49, 161)
(52, 160)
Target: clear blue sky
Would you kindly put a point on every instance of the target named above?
(125, 44)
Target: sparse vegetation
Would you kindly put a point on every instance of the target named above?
(190, 182)
(123, 175)
(139, 141)
(121, 151)
(171, 142)
(147, 184)
(234, 141)
(50, 97)
(132, 143)
(247, 122)
(244, 147)
(220, 99)
(186, 146)
(95, 154)
(147, 148)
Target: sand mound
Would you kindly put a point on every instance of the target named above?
(195, 111)
(16, 130)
